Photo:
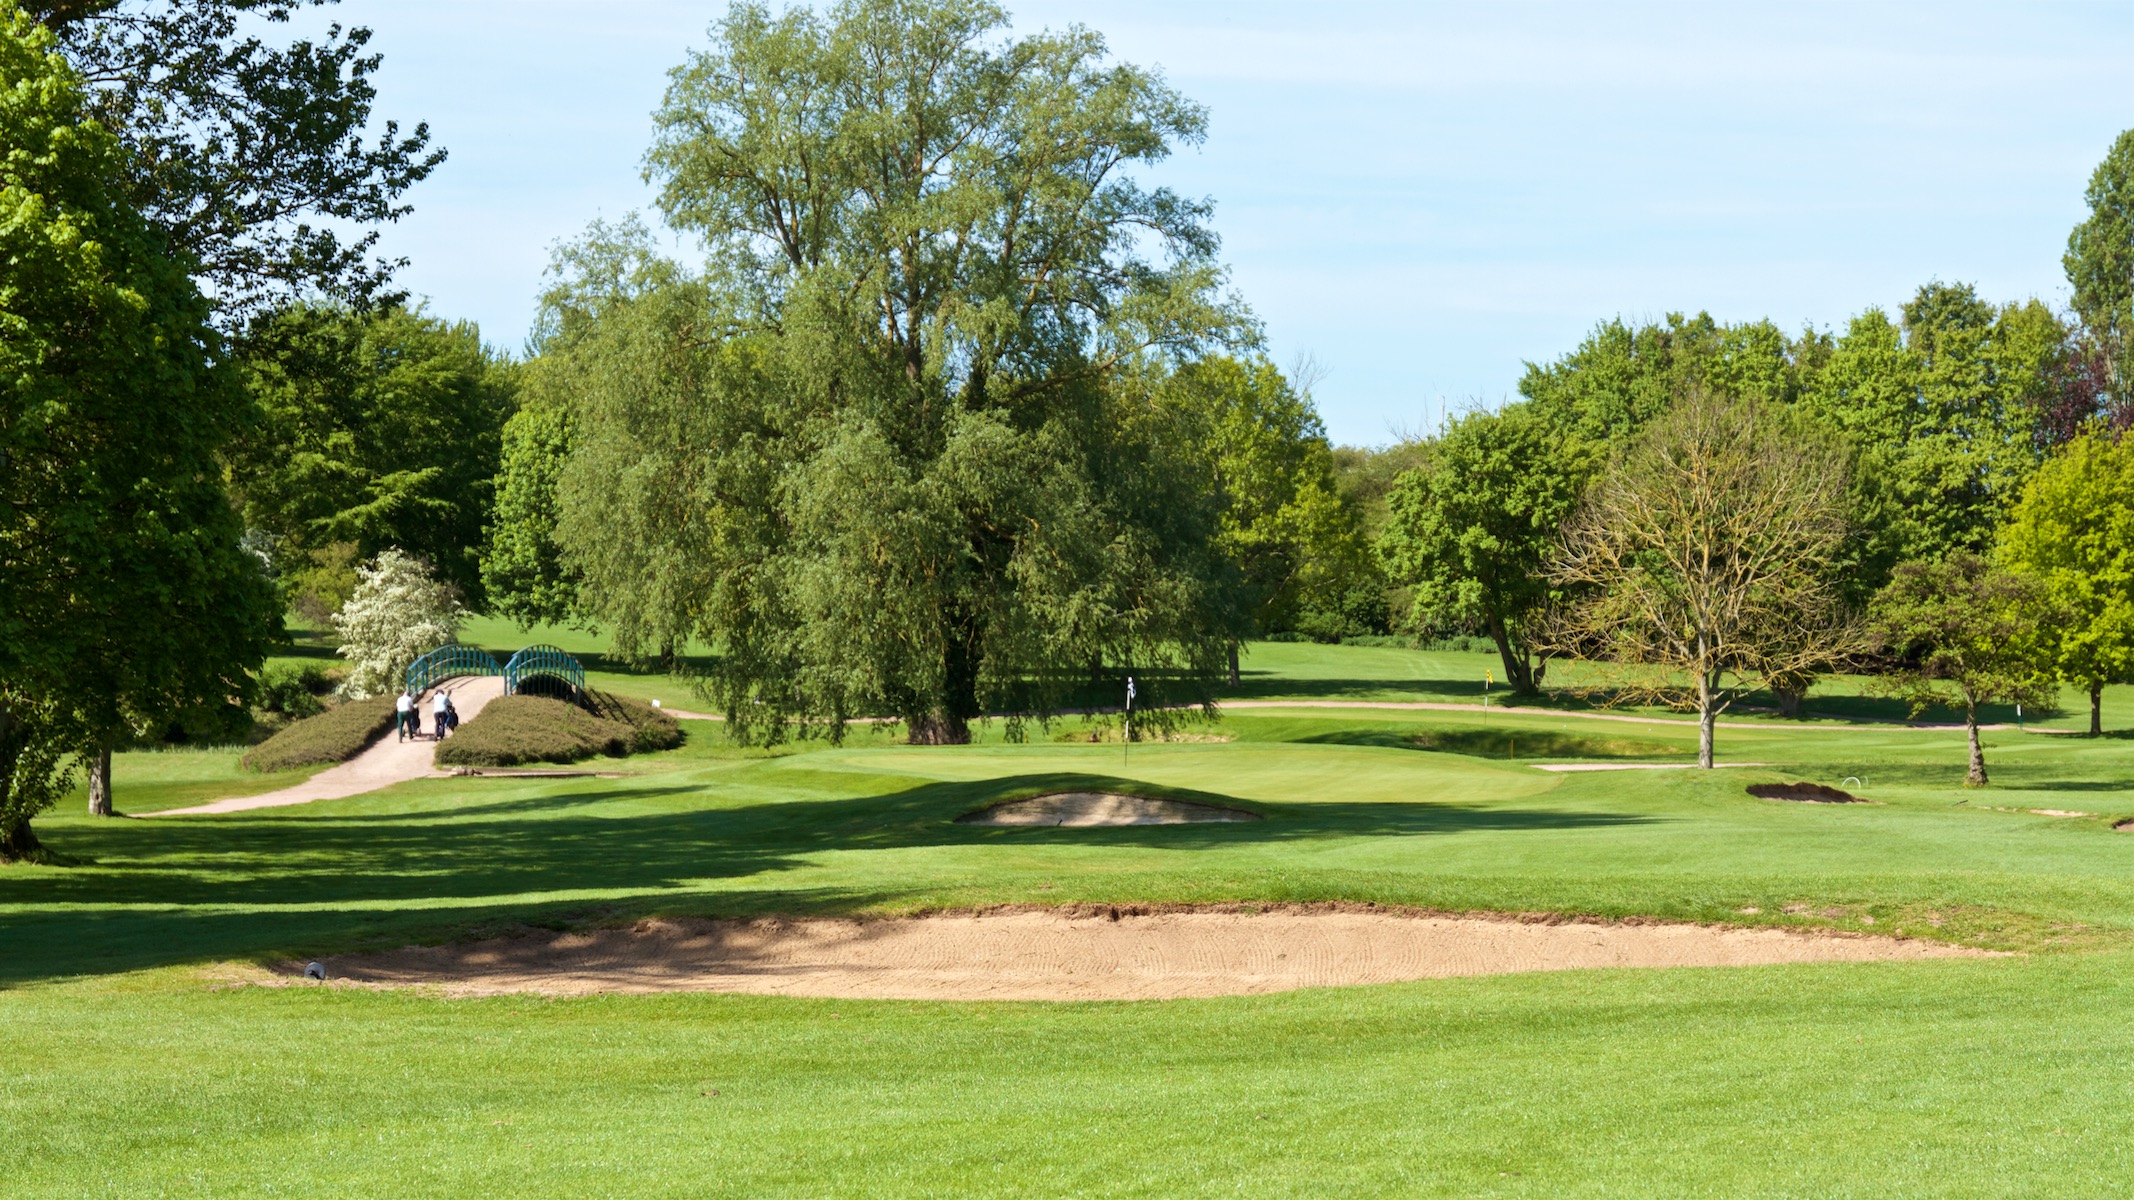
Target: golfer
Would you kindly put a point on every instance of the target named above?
(438, 708)
(404, 708)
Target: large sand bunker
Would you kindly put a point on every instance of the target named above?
(1093, 809)
(1080, 955)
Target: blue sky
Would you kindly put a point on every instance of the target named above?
(1423, 197)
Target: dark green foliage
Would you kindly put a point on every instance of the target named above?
(125, 600)
(1621, 378)
(238, 147)
(1963, 632)
(1942, 417)
(1472, 527)
(336, 735)
(378, 431)
(511, 730)
(888, 452)
(2100, 262)
(1365, 475)
(293, 691)
(1296, 542)
(523, 572)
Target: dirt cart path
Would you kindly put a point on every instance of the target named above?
(384, 763)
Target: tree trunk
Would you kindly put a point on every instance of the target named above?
(17, 839)
(1234, 676)
(2096, 708)
(666, 654)
(1789, 701)
(1976, 777)
(1707, 720)
(1516, 671)
(948, 723)
(940, 728)
(19, 843)
(100, 782)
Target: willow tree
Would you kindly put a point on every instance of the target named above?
(1701, 562)
(886, 452)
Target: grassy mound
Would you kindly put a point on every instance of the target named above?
(335, 735)
(527, 729)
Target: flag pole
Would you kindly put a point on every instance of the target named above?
(1126, 743)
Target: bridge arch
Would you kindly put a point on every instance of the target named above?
(539, 669)
(447, 662)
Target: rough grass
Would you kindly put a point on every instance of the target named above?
(335, 735)
(511, 730)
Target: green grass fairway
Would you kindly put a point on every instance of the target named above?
(133, 1074)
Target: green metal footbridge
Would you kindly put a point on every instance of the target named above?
(548, 666)
(447, 662)
(536, 668)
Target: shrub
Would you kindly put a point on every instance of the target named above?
(521, 729)
(336, 735)
(293, 691)
(399, 613)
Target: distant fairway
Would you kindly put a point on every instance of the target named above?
(1975, 1077)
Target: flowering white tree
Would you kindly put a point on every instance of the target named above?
(399, 612)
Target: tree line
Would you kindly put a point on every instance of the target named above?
(1938, 496)
(953, 415)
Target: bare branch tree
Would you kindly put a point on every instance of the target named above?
(1706, 551)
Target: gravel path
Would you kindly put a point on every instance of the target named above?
(384, 763)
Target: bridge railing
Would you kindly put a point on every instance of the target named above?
(446, 662)
(543, 660)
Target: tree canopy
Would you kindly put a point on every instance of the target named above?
(250, 158)
(2100, 260)
(1705, 551)
(1472, 529)
(1296, 542)
(1964, 632)
(124, 594)
(376, 430)
(887, 451)
(2073, 532)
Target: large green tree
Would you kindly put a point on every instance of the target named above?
(1472, 529)
(2073, 532)
(1296, 542)
(377, 430)
(124, 594)
(879, 455)
(1622, 377)
(254, 157)
(1942, 411)
(1963, 632)
(2100, 262)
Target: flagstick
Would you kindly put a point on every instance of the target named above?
(1126, 744)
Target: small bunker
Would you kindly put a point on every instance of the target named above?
(1803, 793)
(1083, 810)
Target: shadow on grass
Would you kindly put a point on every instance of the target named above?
(162, 892)
(1500, 743)
(1267, 685)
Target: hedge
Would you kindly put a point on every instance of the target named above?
(511, 730)
(336, 735)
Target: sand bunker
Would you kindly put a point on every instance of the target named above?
(1088, 955)
(1089, 809)
(1803, 793)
